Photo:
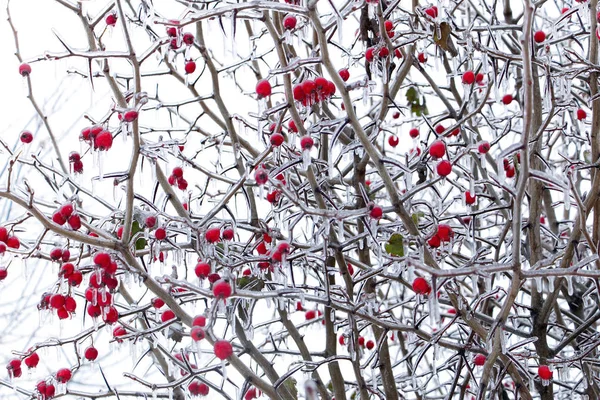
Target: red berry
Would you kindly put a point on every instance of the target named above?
(393, 141)
(160, 234)
(157, 302)
(370, 344)
(414, 133)
(263, 88)
(56, 254)
(444, 232)
(24, 69)
(432, 11)
(277, 139)
(190, 67)
(91, 353)
(361, 341)
(213, 235)
(78, 167)
(13, 242)
(507, 99)
(344, 74)
(539, 36)
(261, 176)
(468, 78)
(398, 53)
(111, 316)
(130, 115)
(199, 320)
(75, 222)
(439, 129)
(75, 278)
(32, 361)
(422, 57)
(3, 273)
(167, 315)
(470, 198)
(479, 78)
(479, 360)
(384, 52)
(289, 22)
(223, 349)
(198, 389)
(434, 241)
(483, 147)
(63, 375)
(3, 234)
(310, 314)
(150, 222)
(544, 372)
(252, 393)
(298, 92)
(202, 270)
(342, 340)
(369, 54)
(581, 114)
(421, 286)
(188, 38)
(306, 143)
(222, 289)
(228, 234)
(103, 141)
(389, 25)
(437, 149)
(510, 171)
(111, 19)
(444, 168)
(197, 334)
(376, 212)
(26, 137)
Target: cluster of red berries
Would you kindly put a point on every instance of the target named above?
(64, 305)
(197, 388)
(174, 32)
(176, 178)
(509, 168)
(203, 270)
(102, 285)
(470, 78)
(274, 196)
(68, 271)
(97, 136)
(443, 234)
(197, 333)
(67, 215)
(314, 91)
(362, 342)
(438, 150)
(75, 162)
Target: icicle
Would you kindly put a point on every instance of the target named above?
(434, 308)
(567, 198)
(306, 159)
(223, 370)
(570, 288)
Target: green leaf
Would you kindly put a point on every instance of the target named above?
(417, 216)
(244, 281)
(412, 95)
(290, 384)
(141, 243)
(395, 245)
